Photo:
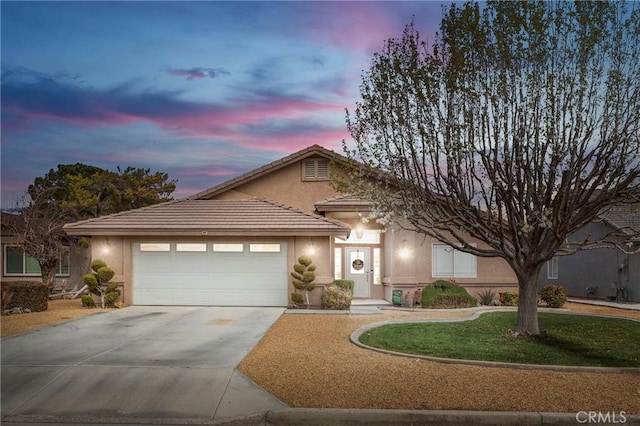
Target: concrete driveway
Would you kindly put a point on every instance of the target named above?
(142, 362)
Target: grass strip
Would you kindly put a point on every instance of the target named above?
(576, 340)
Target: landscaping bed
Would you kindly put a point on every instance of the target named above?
(308, 361)
(58, 311)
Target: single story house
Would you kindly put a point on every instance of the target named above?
(235, 244)
(604, 272)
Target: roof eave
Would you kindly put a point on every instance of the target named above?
(209, 233)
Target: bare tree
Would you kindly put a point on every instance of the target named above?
(516, 127)
(37, 230)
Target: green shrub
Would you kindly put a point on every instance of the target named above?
(510, 298)
(97, 264)
(92, 282)
(554, 296)
(487, 296)
(87, 301)
(334, 297)
(297, 298)
(111, 298)
(99, 283)
(304, 276)
(346, 284)
(443, 294)
(32, 295)
(111, 287)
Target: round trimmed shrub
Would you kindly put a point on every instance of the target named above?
(442, 294)
(337, 298)
(87, 301)
(510, 298)
(297, 298)
(554, 296)
(346, 284)
(111, 298)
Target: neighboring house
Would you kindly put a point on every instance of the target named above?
(18, 266)
(236, 243)
(602, 273)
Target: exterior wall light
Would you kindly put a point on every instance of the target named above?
(106, 248)
(359, 231)
(311, 248)
(404, 253)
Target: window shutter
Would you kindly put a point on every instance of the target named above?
(309, 169)
(323, 169)
(315, 169)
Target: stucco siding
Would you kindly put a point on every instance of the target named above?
(284, 185)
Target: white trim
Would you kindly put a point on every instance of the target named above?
(448, 262)
(552, 269)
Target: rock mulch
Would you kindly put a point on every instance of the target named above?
(58, 311)
(308, 361)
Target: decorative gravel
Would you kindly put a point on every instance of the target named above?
(58, 311)
(308, 361)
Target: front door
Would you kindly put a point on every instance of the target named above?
(358, 269)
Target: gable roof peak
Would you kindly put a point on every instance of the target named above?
(268, 168)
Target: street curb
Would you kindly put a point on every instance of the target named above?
(313, 416)
(346, 416)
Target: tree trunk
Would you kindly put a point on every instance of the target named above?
(528, 303)
(48, 273)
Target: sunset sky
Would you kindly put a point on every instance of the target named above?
(204, 91)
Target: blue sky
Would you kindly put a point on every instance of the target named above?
(204, 91)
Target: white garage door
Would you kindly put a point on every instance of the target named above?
(210, 274)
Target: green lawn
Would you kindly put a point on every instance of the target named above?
(564, 340)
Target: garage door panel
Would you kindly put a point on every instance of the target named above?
(210, 278)
(158, 264)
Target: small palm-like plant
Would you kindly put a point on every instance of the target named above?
(304, 276)
(487, 296)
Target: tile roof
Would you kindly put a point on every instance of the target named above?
(624, 218)
(261, 171)
(343, 203)
(211, 217)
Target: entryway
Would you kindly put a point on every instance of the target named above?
(358, 268)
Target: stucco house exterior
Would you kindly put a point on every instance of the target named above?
(602, 273)
(235, 244)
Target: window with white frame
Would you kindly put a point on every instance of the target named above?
(264, 248)
(155, 247)
(367, 236)
(449, 262)
(552, 269)
(337, 259)
(228, 247)
(194, 247)
(18, 263)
